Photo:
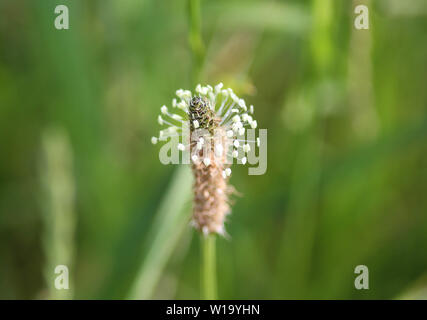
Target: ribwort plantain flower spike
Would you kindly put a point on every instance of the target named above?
(217, 120)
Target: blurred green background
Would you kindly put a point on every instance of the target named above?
(81, 184)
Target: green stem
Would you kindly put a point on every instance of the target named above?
(208, 267)
(195, 37)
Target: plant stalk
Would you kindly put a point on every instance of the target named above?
(209, 290)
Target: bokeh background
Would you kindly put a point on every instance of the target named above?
(81, 184)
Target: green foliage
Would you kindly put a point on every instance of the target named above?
(346, 113)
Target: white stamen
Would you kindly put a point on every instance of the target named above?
(153, 140)
(160, 120)
(176, 117)
(218, 87)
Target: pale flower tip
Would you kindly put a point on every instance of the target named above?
(241, 131)
(160, 120)
(230, 133)
(235, 154)
(254, 124)
(164, 109)
(244, 160)
(181, 147)
(242, 103)
(246, 148)
(236, 143)
(153, 140)
(207, 162)
(195, 158)
(227, 172)
(196, 124)
(218, 87)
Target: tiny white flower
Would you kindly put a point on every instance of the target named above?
(218, 87)
(186, 94)
(241, 131)
(242, 104)
(195, 124)
(244, 160)
(225, 93)
(246, 148)
(199, 88)
(224, 174)
(254, 124)
(207, 162)
(244, 117)
(181, 147)
(235, 154)
(236, 126)
(179, 93)
(164, 109)
(230, 133)
(160, 120)
(153, 140)
(236, 143)
(234, 110)
(233, 96)
(182, 105)
(195, 158)
(228, 172)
